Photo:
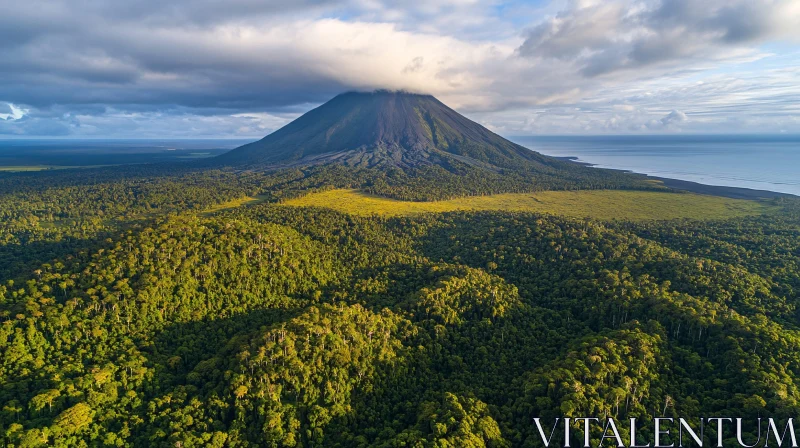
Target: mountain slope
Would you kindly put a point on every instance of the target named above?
(384, 128)
(409, 147)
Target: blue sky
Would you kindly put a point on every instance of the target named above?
(243, 68)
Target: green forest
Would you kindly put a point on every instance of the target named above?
(135, 311)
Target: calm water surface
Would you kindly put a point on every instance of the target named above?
(763, 162)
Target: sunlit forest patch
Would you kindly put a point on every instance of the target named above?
(598, 204)
(239, 202)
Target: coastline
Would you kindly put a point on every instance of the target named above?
(696, 187)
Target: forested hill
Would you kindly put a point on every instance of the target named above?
(281, 326)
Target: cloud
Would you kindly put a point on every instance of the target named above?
(238, 67)
(242, 67)
(602, 37)
(10, 112)
(674, 117)
(34, 126)
(415, 65)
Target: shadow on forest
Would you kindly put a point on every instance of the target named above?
(402, 281)
(18, 261)
(196, 341)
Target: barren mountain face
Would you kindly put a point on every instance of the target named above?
(383, 129)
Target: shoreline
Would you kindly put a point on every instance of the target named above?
(696, 187)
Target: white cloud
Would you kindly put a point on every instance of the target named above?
(577, 66)
(9, 111)
(609, 36)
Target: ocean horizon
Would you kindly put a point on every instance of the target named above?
(761, 162)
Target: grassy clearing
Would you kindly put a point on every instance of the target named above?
(599, 204)
(196, 155)
(23, 168)
(29, 168)
(247, 200)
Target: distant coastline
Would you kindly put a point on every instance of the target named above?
(742, 165)
(696, 187)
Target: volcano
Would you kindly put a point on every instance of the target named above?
(384, 129)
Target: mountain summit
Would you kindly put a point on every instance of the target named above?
(383, 129)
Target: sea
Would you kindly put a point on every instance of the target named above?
(762, 162)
